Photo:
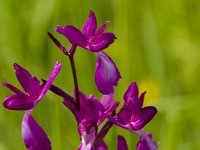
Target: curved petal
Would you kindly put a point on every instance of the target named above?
(89, 27)
(14, 102)
(100, 42)
(54, 73)
(106, 74)
(121, 143)
(132, 92)
(34, 136)
(30, 84)
(15, 90)
(74, 35)
(147, 113)
(102, 28)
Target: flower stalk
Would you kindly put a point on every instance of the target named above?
(71, 58)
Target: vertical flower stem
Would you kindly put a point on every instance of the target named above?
(71, 58)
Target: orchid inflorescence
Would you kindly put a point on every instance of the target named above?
(89, 112)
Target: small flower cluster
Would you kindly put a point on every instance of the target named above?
(89, 112)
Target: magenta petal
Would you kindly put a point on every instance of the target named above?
(143, 118)
(54, 73)
(100, 42)
(14, 89)
(73, 35)
(121, 143)
(89, 27)
(124, 116)
(102, 28)
(30, 84)
(34, 136)
(14, 102)
(106, 74)
(132, 92)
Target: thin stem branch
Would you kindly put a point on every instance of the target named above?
(71, 58)
(104, 130)
(102, 133)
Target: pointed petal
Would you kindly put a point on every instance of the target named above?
(34, 136)
(102, 146)
(124, 116)
(89, 27)
(14, 102)
(147, 113)
(30, 84)
(106, 74)
(100, 42)
(102, 28)
(131, 92)
(54, 73)
(74, 35)
(141, 100)
(58, 44)
(121, 143)
(14, 89)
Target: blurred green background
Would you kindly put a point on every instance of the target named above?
(158, 46)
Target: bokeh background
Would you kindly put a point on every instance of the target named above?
(158, 46)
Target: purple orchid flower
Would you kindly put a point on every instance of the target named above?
(33, 135)
(146, 143)
(88, 38)
(106, 74)
(91, 114)
(132, 116)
